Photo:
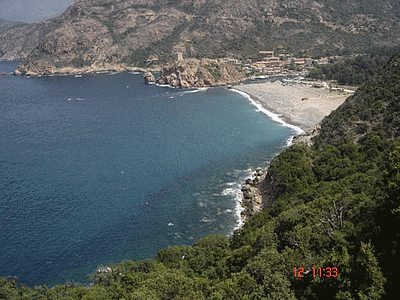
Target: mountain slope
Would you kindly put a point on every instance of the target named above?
(6, 24)
(96, 33)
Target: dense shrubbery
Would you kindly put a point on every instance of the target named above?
(354, 70)
(337, 207)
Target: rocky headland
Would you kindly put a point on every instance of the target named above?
(189, 73)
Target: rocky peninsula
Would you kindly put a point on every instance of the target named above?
(189, 73)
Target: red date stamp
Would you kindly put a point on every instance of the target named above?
(316, 272)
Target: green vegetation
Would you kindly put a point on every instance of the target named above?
(336, 205)
(354, 70)
(215, 71)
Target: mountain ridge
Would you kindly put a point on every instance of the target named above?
(100, 33)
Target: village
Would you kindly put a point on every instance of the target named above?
(271, 63)
(279, 63)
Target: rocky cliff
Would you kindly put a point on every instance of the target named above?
(200, 73)
(96, 34)
(252, 201)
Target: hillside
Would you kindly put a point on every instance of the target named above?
(94, 34)
(6, 24)
(333, 205)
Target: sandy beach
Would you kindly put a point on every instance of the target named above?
(299, 105)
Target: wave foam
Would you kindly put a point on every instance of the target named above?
(196, 90)
(273, 116)
(165, 86)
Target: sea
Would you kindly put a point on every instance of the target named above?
(100, 168)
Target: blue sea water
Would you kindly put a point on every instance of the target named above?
(103, 168)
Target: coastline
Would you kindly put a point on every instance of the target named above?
(301, 108)
(274, 115)
(297, 105)
(83, 70)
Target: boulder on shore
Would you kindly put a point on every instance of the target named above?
(149, 77)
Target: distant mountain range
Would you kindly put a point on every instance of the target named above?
(96, 34)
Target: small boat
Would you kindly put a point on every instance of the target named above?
(78, 76)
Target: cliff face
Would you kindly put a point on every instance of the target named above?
(94, 34)
(200, 73)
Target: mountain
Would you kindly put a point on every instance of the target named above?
(6, 24)
(93, 34)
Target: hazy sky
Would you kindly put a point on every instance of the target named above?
(32, 10)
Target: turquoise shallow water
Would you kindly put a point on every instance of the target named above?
(103, 168)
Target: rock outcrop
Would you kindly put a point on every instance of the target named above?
(252, 201)
(188, 73)
(149, 77)
(306, 137)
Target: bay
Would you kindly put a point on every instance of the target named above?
(103, 168)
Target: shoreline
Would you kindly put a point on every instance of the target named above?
(274, 115)
(250, 200)
(289, 106)
(296, 105)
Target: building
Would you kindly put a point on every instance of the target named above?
(266, 53)
(260, 64)
(178, 56)
(323, 61)
(299, 61)
(229, 61)
(308, 61)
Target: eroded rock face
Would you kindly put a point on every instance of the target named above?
(148, 77)
(252, 201)
(192, 72)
